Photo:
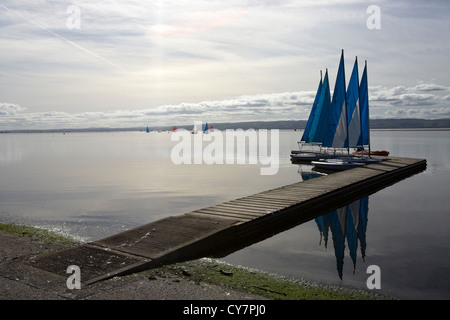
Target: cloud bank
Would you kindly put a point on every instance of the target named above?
(425, 100)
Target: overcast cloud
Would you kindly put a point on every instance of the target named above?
(72, 64)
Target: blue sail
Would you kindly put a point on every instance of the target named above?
(336, 134)
(206, 127)
(353, 109)
(318, 125)
(364, 105)
(313, 112)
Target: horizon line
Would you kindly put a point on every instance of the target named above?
(272, 122)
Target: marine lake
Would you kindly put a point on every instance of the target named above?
(94, 184)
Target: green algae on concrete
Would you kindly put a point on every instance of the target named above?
(37, 234)
(264, 284)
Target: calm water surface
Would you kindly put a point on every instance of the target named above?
(91, 185)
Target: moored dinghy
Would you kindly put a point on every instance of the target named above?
(337, 164)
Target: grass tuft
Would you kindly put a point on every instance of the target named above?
(37, 234)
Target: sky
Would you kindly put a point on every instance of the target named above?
(79, 64)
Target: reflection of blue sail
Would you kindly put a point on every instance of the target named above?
(323, 225)
(362, 226)
(338, 234)
(347, 223)
(310, 175)
(351, 229)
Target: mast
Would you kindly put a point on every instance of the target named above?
(346, 116)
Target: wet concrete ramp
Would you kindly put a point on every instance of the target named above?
(95, 263)
(158, 238)
(167, 240)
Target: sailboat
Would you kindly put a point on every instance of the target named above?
(338, 123)
(365, 135)
(343, 106)
(313, 133)
(206, 129)
(348, 121)
(195, 129)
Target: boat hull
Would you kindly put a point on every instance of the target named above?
(336, 164)
(373, 153)
(311, 156)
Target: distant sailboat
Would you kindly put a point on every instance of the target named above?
(195, 129)
(198, 128)
(206, 129)
(148, 130)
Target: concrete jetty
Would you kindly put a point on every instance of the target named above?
(226, 227)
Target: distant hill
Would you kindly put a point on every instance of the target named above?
(409, 124)
(300, 124)
(282, 125)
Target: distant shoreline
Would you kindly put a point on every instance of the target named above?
(412, 129)
(375, 124)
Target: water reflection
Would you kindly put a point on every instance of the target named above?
(342, 225)
(346, 223)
